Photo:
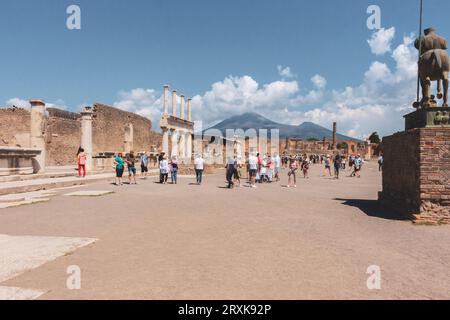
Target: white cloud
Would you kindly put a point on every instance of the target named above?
(285, 72)
(380, 42)
(20, 103)
(319, 81)
(25, 104)
(145, 102)
(377, 104)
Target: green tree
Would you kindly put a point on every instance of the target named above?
(342, 145)
(375, 138)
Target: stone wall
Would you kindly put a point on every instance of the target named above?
(15, 127)
(110, 130)
(416, 174)
(63, 132)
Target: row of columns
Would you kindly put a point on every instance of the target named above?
(174, 105)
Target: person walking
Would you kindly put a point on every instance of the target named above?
(119, 164)
(164, 169)
(144, 165)
(292, 174)
(305, 168)
(337, 165)
(160, 158)
(174, 170)
(199, 164)
(81, 160)
(277, 166)
(230, 168)
(131, 164)
(380, 162)
(327, 165)
(252, 169)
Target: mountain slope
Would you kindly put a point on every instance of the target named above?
(306, 130)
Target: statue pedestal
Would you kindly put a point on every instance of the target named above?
(416, 169)
(428, 118)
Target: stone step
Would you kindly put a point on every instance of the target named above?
(38, 184)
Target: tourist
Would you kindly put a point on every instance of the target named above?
(174, 170)
(292, 174)
(337, 165)
(351, 162)
(259, 177)
(380, 162)
(276, 167)
(237, 172)
(358, 163)
(81, 160)
(160, 158)
(253, 168)
(327, 165)
(144, 165)
(305, 168)
(119, 166)
(164, 169)
(131, 164)
(343, 162)
(230, 169)
(199, 167)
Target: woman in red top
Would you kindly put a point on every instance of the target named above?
(81, 157)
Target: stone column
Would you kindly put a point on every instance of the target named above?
(189, 110)
(182, 145)
(174, 103)
(165, 141)
(166, 100)
(189, 147)
(37, 139)
(86, 135)
(174, 136)
(182, 108)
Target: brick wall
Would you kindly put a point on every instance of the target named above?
(416, 174)
(14, 127)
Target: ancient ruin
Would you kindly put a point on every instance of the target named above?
(177, 129)
(33, 139)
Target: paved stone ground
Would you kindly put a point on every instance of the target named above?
(206, 242)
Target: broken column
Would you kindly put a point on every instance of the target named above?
(37, 139)
(86, 135)
(333, 146)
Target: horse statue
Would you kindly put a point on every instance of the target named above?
(434, 65)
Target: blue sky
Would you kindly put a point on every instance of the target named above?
(191, 45)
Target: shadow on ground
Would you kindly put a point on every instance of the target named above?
(372, 209)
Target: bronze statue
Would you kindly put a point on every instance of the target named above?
(434, 65)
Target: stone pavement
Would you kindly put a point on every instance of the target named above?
(207, 242)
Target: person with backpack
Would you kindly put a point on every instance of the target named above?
(144, 165)
(119, 164)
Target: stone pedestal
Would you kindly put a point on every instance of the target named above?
(416, 170)
(18, 160)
